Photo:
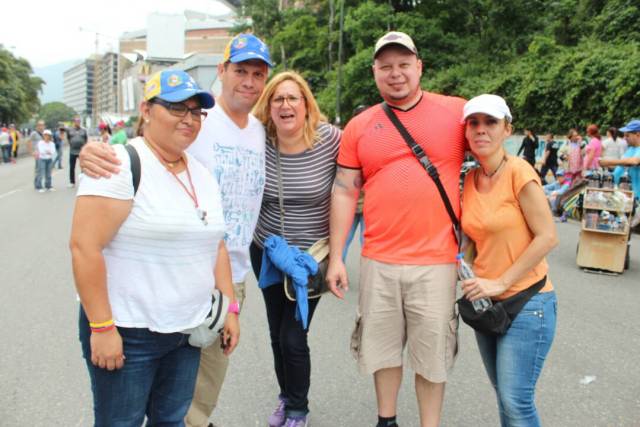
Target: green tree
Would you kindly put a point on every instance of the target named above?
(559, 63)
(55, 112)
(18, 88)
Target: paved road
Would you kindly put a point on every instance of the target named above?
(43, 381)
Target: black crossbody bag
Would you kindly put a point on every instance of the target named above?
(496, 319)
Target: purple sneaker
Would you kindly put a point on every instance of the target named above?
(296, 421)
(277, 418)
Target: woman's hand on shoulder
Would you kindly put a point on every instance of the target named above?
(106, 350)
(478, 288)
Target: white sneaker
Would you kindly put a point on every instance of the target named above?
(51, 189)
(70, 185)
(41, 190)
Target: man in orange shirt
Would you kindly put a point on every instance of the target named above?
(408, 274)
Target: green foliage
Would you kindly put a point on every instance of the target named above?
(18, 88)
(54, 113)
(559, 63)
(619, 20)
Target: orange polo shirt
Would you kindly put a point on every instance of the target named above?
(495, 222)
(405, 219)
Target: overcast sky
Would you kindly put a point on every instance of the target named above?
(47, 33)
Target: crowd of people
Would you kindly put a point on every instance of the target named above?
(47, 147)
(254, 179)
(564, 165)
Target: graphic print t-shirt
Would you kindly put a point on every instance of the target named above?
(235, 157)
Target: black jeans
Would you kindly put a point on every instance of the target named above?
(72, 167)
(291, 357)
(545, 169)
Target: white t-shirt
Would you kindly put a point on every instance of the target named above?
(4, 138)
(160, 263)
(235, 157)
(46, 150)
(613, 149)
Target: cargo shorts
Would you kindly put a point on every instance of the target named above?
(406, 305)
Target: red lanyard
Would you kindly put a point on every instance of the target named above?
(191, 193)
(202, 214)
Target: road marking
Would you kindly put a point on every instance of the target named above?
(8, 193)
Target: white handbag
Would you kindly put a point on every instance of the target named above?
(206, 333)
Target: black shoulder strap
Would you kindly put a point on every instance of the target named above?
(426, 164)
(135, 166)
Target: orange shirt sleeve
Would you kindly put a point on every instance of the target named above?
(348, 154)
(522, 175)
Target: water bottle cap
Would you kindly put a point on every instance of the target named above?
(460, 256)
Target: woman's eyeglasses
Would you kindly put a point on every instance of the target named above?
(179, 109)
(292, 100)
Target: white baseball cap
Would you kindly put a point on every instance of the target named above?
(395, 37)
(493, 105)
(47, 132)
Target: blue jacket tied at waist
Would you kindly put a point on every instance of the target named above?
(280, 258)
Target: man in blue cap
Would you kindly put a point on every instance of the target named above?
(231, 145)
(631, 157)
(631, 160)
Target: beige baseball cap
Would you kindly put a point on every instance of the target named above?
(395, 37)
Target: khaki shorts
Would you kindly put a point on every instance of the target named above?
(406, 304)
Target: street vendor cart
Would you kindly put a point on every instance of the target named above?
(605, 229)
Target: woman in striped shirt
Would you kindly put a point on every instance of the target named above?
(308, 147)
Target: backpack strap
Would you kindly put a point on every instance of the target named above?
(135, 166)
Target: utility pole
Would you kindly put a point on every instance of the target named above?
(338, 120)
(96, 72)
(332, 13)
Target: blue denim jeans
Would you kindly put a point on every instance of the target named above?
(157, 379)
(514, 361)
(57, 162)
(6, 153)
(358, 219)
(43, 173)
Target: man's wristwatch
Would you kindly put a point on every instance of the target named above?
(234, 307)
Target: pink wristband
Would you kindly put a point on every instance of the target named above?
(234, 307)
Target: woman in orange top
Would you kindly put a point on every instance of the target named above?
(506, 214)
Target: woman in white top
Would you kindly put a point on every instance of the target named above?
(45, 152)
(146, 262)
(613, 147)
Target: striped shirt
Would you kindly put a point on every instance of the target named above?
(307, 179)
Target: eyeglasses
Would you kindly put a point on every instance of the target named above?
(179, 109)
(292, 100)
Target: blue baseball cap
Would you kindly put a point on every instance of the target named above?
(244, 47)
(176, 86)
(632, 126)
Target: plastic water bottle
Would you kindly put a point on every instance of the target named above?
(464, 273)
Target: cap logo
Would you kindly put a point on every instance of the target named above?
(240, 43)
(173, 80)
(392, 37)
